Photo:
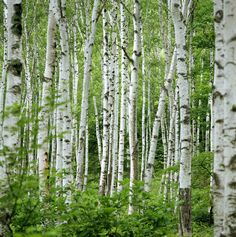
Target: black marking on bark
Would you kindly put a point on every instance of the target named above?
(15, 66)
(216, 179)
(16, 90)
(176, 5)
(234, 108)
(16, 20)
(219, 121)
(219, 65)
(232, 39)
(186, 119)
(218, 16)
(217, 94)
(232, 185)
(15, 46)
(232, 163)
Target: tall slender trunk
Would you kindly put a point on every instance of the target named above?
(74, 135)
(229, 148)
(29, 96)
(86, 159)
(143, 161)
(123, 102)
(133, 143)
(43, 150)
(64, 75)
(2, 88)
(10, 127)
(4, 71)
(185, 129)
(156, 125)
(84, 104)
(116, 127)
(218, 120)
(97, 130)
(105, 141)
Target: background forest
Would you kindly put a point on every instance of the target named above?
(106, 118)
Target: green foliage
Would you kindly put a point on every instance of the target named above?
(89, 214)
(201, 198)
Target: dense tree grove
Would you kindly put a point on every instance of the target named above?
(117, 118)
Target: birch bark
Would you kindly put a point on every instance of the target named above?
(133, 143)
(143, 161)
(84, 104)
(43, 150)
(64, 75)
(124, 82)
(105, 141)
(218, 120)
(10, 129)
(116, 126)
(97, 130)
(156, 125)
(229, 148)
(185, 129)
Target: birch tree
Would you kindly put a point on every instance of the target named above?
(179, 17)
(229, 148)
(43, 142)
(123, 102)
(218, 120)
(133, 143)
(84, 104)
(156, 125)
(64, 73)
(143, 161)
(97, 130)
(10, 129)
(105, 141)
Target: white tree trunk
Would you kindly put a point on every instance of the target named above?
(86, 159)
(64, 75)
(2, 89)
(143, 161)
(10, 128)
(44, 114)
(133, 143)
(75, 76)
(156, 125)
(97, 130)
(105, 141)
(84, 104)
(185, 129)
(229, 148)
(116, 126)
(218, 121)
(123, 103)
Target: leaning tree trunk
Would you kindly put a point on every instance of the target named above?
(10, 129)
(105, 141)
(185, 129)
(123, 103)
(133, 143)
(2, 89)
(44, 114)
(64, 75)
(4, 73)
(229, 148)
(143, 160)
(84, 104)
(218, 121)
(97, 130)
(156, 125)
